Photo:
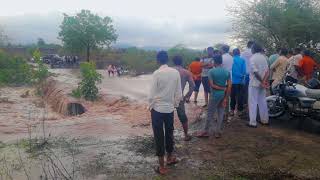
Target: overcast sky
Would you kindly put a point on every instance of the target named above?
(159, 23)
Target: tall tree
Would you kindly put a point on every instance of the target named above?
(276, 22)
(86, 31)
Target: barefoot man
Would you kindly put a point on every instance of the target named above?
(186, 77)
(165, 95)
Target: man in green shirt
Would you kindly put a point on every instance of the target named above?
(220, 83)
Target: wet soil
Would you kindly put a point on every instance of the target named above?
(113, 140)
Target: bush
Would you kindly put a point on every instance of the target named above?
(14, 70)
(42, 71)
(90, 77)
(76, 93)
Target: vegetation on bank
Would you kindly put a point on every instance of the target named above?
(88, 86)
(16, 71)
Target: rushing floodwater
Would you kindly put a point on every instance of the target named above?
(133, 87)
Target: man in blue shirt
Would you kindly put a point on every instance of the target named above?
(220, 83)
(238, 82)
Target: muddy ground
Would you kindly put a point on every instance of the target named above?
(113, 140)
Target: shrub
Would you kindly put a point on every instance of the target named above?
(42, 71)
(14, 70)
(90, 77)
(76, 93)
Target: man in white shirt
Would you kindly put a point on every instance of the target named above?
(293, 66)
(246, 55)
(165, 95)
(258, 84)
(227, 59)
(227, 63)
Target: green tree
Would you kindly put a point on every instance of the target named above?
(276, 23)
(86, 31)
(41, 42)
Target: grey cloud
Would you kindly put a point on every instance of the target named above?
(193, 33)
(162, 32)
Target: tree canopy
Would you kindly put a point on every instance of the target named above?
(276, 23)
(86, 31)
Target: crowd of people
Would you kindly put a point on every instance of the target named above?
(234, 83)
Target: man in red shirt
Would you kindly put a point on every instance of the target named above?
(307, 65)
(196, 69)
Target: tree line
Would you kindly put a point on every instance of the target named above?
(274, 23)
(277, 23)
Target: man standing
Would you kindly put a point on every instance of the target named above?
(227, 62)
(207, 64)
(257, 87)
(307, 65)
(196, 70)
(246, 55)
(185, 77)
(274, 57)
(220, 84)
(165, 95)
(238, 81)
(271, 60)
(227, 59)
(279, 67)
(293, 66)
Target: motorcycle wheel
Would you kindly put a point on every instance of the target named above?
(276, 109)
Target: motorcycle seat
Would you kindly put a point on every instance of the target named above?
(313, 93)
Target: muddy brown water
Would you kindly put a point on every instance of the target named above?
(113, 139)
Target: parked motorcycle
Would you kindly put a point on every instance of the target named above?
(295, 99)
